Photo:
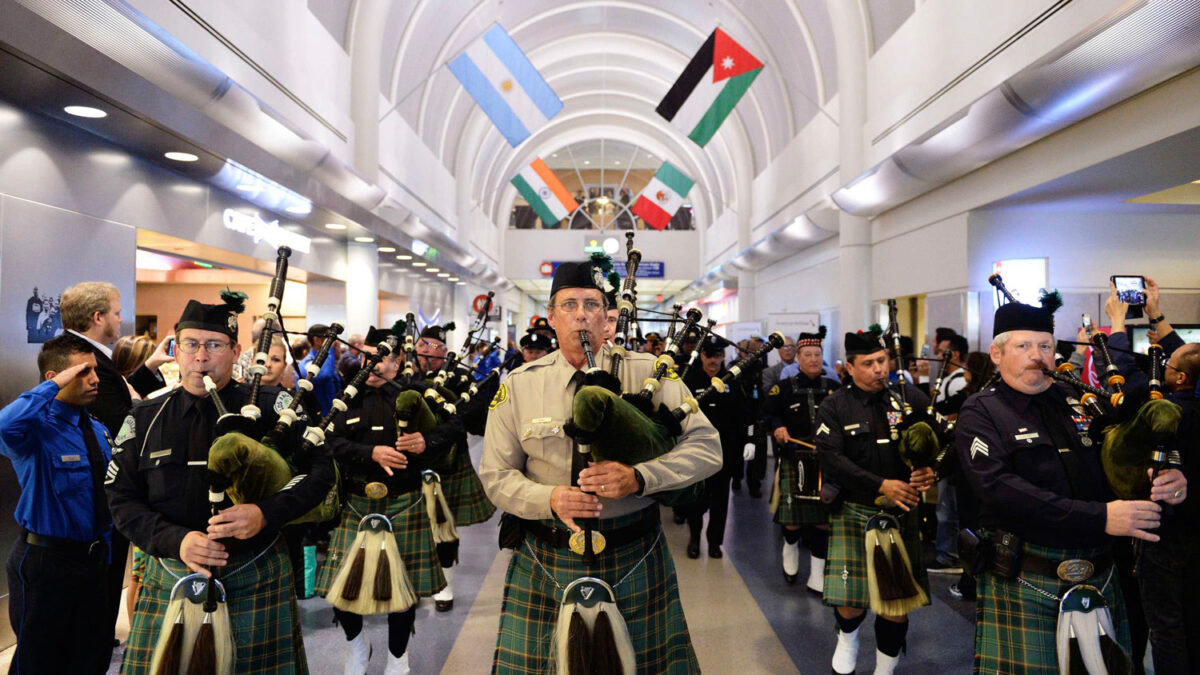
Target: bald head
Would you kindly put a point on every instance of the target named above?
(1183, 368)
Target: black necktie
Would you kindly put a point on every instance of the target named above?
(100, 515)
(1054, 419)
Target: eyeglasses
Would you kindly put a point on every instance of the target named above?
(211, 346)
(589, 306)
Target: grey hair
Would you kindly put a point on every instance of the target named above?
(1002, 339)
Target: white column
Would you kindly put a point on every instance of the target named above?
(854, 238)
(369, 19)
(362, 287)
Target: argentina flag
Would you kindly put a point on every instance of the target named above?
(498, 75)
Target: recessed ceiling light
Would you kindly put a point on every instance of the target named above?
(334, 226)
(417, 264)
(364, 240)
(461, 283)
(452, 279)
(387, 249)
(180, 156)
(618, 162)
(85, 111)
(403, 256)
(554, 156)
(444, 275)
(300, 209)
(587, 161)
(434, 269)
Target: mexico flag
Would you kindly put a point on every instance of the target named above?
(544, 192)
(662, 197)
(710, 86)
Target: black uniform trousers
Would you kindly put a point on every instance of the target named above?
(57, 605)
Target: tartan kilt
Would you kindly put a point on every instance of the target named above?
(464, 493)
(648, 599)
(793, 512)
(262, 611)
(846, 562)
(410, 525)
(1015, 626)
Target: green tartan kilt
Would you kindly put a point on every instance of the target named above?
(262, 610)
(846, 563)
(794, 512)
(410, 524)
(464, 493)
(1015, 626)
(648, 599)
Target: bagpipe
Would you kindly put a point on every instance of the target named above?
(450, 366)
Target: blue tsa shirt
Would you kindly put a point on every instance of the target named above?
(326, 383)
(42, 437)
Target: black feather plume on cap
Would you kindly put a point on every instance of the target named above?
(236, 300)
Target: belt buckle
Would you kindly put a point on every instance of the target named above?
(1076, 570)
(578, 542)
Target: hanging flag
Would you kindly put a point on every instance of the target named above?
(498, 75)
(544, 192)
(711, 85)
(663, 196)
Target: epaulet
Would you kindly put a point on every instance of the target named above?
(158, 396)
(531, 365)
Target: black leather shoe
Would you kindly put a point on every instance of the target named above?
(443, 605)
(693, 549)
(755, 492)
(736, 485)
(715, 552)
(790, 579)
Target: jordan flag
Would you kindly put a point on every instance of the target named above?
(662, 197)
(710, 86)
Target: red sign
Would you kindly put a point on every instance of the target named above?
(479, 303)
(546, 268)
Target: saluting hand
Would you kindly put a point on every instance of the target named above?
(65, 377)
(199, 549)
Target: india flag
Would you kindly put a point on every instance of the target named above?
(663, 196)
(498, 75)
(711, 85)
(544, 192)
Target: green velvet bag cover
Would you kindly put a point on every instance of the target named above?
(1125, 453)
(255, 471)
(919, 446)
(412, 407)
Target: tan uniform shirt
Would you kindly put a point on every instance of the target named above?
(526, 454)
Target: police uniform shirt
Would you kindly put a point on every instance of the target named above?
(526, 454)
(158, 480)
(371, 421)
(1008, 453)
(43, 438)
(729, 411)
(787, 404)
(853, 437)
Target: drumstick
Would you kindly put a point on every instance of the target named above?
(810, 446)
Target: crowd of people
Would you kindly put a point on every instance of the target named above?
(1065, 517)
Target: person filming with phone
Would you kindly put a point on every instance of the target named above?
(1170, 597)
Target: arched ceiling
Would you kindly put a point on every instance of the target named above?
(610, 61)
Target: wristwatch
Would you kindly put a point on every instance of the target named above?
(1156, 320)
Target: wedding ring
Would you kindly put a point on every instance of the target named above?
(602, 490)
(1178, 494)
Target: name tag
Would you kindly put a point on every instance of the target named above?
(70, 458)
(197, 462)
(882, 441)
(851, 427)
(1026, 437)
(160, 453)
(376, 428)
(541, 420)
(353, 421)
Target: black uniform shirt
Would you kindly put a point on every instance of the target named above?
(729, 412)
(853, 437)
(371, 421)
(158, 483)
(793, 403)
(1009, 456)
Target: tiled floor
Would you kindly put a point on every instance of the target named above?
(742, 617)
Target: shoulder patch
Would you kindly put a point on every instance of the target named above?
(774, 390)
(282, 401)
(500, 397)
(127, 432)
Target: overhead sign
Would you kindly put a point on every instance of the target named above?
(792, 324)
(252, 225)
(647, 269)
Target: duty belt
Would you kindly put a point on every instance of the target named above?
(558, 537)
(82, 549)
(1072, 570)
